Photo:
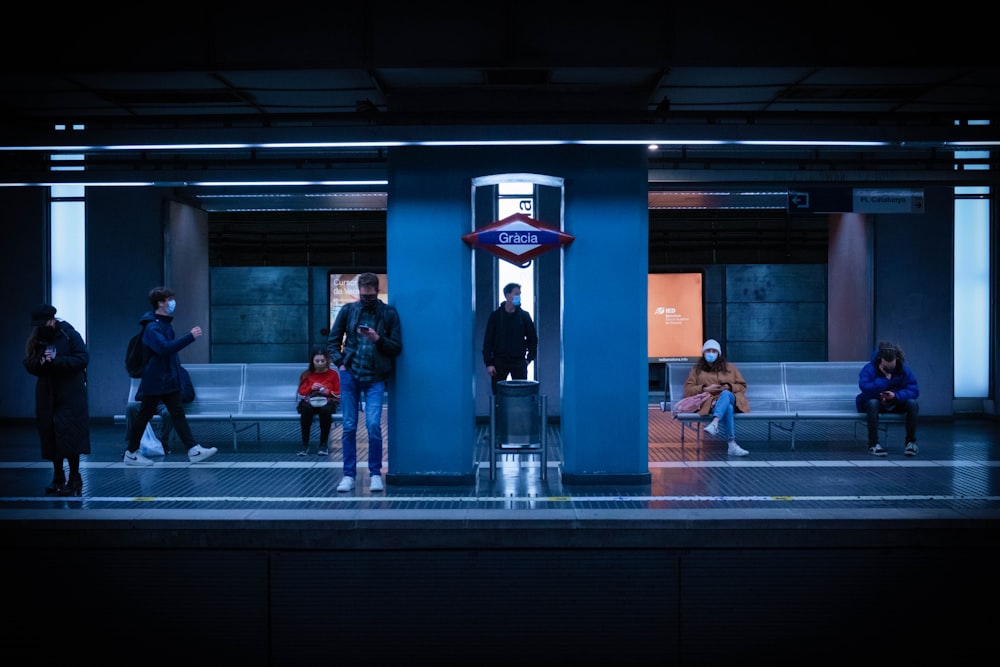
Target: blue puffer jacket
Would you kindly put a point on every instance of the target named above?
(872, 383)
(163, 372)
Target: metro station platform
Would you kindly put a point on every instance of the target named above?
(785, 554)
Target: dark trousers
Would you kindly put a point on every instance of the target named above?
(147, 409)
(910, 407)
(166, 426)
(517, 370)
(325, 414)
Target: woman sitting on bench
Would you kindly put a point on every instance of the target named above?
(713, 374)
(319, 395)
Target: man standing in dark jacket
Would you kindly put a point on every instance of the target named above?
(510, 342)
(363, 344)
(161, 379)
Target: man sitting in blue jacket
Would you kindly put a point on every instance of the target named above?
(888, 385)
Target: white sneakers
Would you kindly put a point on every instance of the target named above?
(736, 450)
(347, 484)
(197, 454)
(712, 428)
(136, 459)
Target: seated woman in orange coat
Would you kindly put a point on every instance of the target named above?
(728, 389)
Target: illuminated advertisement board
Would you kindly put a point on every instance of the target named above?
(344, 290)
(675, 317)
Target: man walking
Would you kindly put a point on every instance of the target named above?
(161, 379)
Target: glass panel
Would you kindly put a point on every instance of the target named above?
(972, 298)
(68, 263)
(511, 273)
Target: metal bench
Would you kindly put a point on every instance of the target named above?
(268, 395)
(244, 395)
(825, 390)
(765, 390)
(785, 393)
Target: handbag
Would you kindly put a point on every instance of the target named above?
(150, 445)
(318, 400)
(689, 404)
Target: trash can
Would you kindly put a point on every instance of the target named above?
(518, 417)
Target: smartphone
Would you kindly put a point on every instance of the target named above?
(364, 327)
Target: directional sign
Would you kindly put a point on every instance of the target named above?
(798, 201)
(518, 238)
(868, 200)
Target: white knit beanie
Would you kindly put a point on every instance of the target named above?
(711, 344)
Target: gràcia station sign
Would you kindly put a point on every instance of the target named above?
(517, 238)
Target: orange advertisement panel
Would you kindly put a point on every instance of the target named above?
(344, 290)
(675, 318)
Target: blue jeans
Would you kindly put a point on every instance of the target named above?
(724, 409)
(350, 399)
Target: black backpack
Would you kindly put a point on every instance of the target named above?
(135, 355)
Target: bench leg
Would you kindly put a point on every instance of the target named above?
(544, 433)
(493, 439)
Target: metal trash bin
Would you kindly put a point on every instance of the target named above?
(517, 413)
(517, 419)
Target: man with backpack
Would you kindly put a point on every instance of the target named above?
(162, 379)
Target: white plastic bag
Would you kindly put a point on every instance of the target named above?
(150, 445)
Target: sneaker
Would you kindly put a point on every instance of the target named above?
(346, 484)
(197, 454)
(736, 450)
(911, 449)
(323, 451)
(376, 483)
(712, 428)
(303, 452)
(877, 450)
(136, 459)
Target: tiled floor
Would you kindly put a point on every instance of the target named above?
(717, 560)
(829, 474)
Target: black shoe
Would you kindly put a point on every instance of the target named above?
(74, 487)
(58, 482)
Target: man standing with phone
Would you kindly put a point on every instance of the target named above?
(363, 344)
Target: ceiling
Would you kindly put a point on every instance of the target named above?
(689, 76)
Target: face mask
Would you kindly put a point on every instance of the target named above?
(516, 300)
(46, 333)
(368, 300)
(171, 305)
(710, 357)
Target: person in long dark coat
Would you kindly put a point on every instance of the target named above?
(56, 354)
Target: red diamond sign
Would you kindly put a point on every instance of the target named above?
(517, 238)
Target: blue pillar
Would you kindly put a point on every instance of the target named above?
(599, 333)
(605, 383)
(431, 419)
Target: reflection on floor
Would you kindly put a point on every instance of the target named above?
(956, 473)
